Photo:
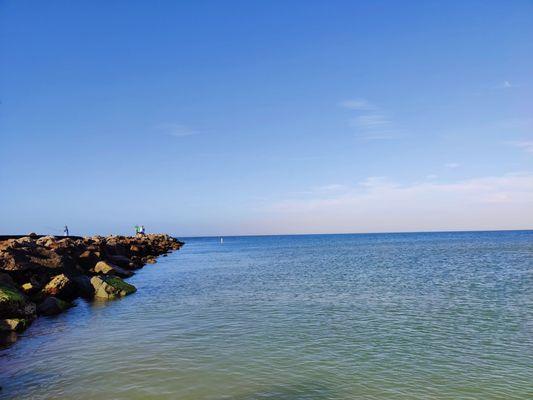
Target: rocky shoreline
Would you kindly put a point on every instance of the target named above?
(42, 275)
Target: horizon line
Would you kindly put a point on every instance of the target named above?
(361, 233)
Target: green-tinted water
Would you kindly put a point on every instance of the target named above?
(399, 316)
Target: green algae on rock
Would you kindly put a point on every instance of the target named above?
(10, 296)
(14, 304)
(16, 311)
(110, 287)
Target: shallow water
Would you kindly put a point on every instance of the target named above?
(384, 316)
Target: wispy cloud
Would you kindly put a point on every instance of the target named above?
(526, 145)
(506, 85)
(452, 165)
(331, 188)
(357, 105)
(176, 130)
(370, 122)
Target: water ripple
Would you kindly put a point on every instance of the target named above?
(401, 316)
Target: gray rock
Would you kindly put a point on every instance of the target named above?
(53, 306)
(13, 304)
(107, 268)
(13, 325)
(61, 286)
(110, 287)
(84, 287)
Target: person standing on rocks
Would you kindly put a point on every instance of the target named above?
(142, 229)
(65, 230)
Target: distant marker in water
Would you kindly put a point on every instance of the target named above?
(221, 240)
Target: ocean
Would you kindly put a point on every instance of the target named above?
(358, 316)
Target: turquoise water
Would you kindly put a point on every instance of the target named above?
(384, 316)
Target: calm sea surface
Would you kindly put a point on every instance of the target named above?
(384, 316)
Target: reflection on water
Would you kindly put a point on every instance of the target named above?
(392, 316)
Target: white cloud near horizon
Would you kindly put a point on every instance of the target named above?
(380, 205)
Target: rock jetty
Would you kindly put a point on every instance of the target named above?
(42, 275)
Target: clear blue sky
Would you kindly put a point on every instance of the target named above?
(254, 117)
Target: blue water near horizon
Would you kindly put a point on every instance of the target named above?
(373, 316)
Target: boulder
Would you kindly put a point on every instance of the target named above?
(38, 281)
(84, 287)
(115, 245)
(110, 287)
(6, 280)
(53, 306)
(137, 262)
(121, 261)
(62, 246)
(43, 240)
(25, 240)
(14, 304)
(150, 260)
(28, 288)
(88, 259)
(107, 268)
(61, 286)
(13, 325)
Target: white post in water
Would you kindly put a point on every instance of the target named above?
(221, 240)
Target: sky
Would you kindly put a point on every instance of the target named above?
(265, 117)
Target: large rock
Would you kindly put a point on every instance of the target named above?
(28, 288)
(134, 249)
(110, 287)
(150, 260)
(13, 325)
(53, 306)
(83, 286)
(115, 245)
(14, 304)
(45, 239)
(107, 268)
(137, 262)
(88, 259)
(6, 280)
(121, 261)
(61, 286)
